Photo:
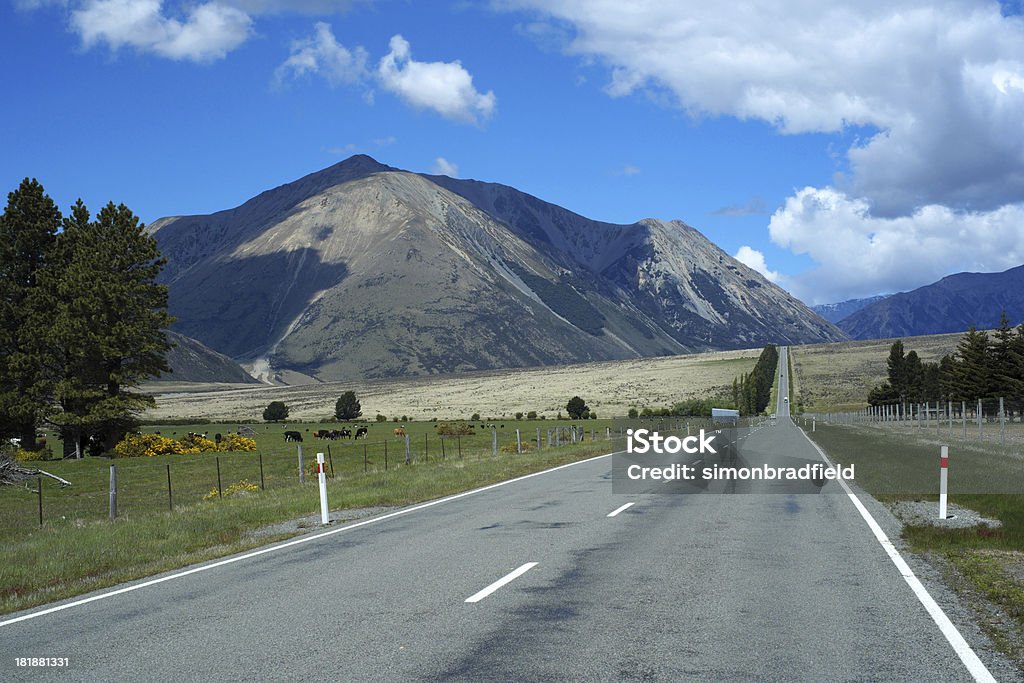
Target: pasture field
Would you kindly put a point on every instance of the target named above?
(609, 388)
(838, 377)
(77, 548)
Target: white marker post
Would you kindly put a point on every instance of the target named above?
(325, 517)
(943, 475)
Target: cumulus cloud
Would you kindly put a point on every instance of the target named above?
(752, 258)
(201, 31)
(445, 87)
(323, 54)
(935, 86)
(933, 92)
(207, 32)
(444, 167)
(859, 254)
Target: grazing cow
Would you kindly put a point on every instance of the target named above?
(362, 432)
(293, 436)
(345, 433)
(322, 434)
(399, 431)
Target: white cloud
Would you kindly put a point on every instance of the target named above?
(445, 87)
(859, 254)
(208, 32)
(444, 167)
(630, 169)
(752, 258)
(935, 85)
(323, 54)
(753, 206)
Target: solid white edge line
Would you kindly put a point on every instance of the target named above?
(508, 578)
(288, 544)
(618, 510)
(970, 659)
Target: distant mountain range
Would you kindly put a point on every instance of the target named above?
(952, 304)
(363, 270)
(836, 312)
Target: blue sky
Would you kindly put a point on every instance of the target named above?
(844, 149)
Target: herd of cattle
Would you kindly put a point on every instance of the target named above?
(331, 434)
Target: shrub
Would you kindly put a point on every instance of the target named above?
(150, 445)
(381, 418)
(25, 455)
(461, 429)
(519, 416)
(243, 487)
(236, 443)
(347, 406)
(275, 412)
(475, 417)
(633, 414)
(577, 408)
(532, 415)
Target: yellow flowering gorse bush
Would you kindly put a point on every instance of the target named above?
(150, 445)
(238, 488)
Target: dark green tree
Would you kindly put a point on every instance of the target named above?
(275, 412)
(974, 367)
(913, 377)
(347, 407)
(897, 370)
(576, 407)
(1006, 361)
(948, 373)
(28, 229)
(108, 323)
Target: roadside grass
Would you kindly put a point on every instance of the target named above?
(78, 549)
(902, 464)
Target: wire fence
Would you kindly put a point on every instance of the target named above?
(997, 420)
(132, 486)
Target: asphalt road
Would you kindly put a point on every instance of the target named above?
(704, 587)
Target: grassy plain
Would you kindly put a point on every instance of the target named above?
(609, 388)
(837, 377)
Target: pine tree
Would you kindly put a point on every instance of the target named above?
(108, 322)
(974, 372)
(28, 229)
(897, 368)
(1006, 361)
(913, 377)
(948, 378)
(347, 406)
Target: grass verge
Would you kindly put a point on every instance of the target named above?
(979, 562)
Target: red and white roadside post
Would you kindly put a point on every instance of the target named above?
(943, 475)
(322, 476)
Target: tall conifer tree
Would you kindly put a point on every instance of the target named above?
(28, 229)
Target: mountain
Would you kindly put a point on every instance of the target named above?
(836, 312)
(363, 270)
(192, 361)
(952, 304)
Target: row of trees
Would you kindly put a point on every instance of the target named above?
(982, 367)
(752, 392)
(81, 316)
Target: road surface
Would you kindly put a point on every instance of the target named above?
(597, 586)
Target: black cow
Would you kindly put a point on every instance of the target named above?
(362, 432)
(345, 433)
(293, 436)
